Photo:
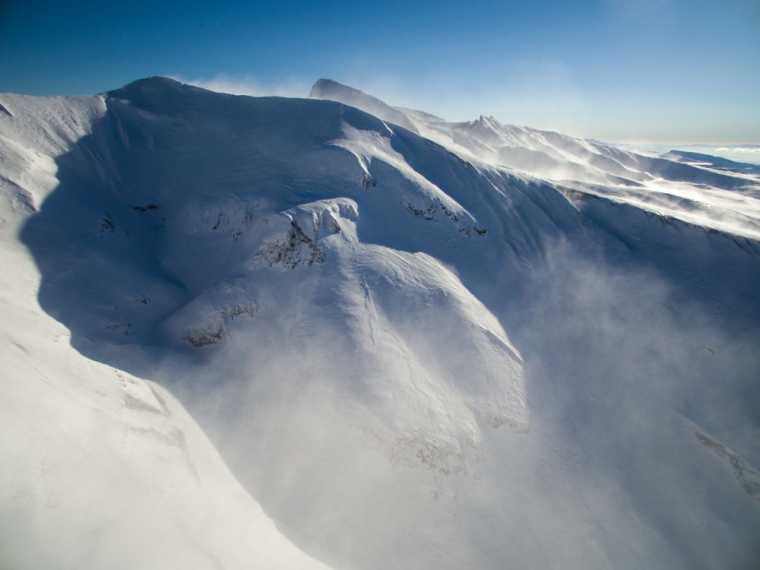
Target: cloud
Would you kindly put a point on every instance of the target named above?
(748, 149)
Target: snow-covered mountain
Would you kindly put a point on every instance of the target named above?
(680, 184)
(412, 343)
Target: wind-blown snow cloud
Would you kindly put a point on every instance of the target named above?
(245, 85)
(618, 368)
(543, 94)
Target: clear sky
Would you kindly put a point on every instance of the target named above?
(638, 70)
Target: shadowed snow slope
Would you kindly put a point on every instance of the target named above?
(101, 469)
(409, 354)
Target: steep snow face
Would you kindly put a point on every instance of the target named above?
(102, 469)
(713, 193)
(407, 353)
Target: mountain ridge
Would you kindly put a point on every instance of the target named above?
(351, 310)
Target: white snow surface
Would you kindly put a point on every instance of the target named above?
(409, 342)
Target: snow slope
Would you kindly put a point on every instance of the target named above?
(101, 469)
(413, 342)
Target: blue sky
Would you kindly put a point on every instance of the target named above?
(640, 70)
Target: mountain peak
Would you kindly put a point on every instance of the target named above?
(325, 85)
(335, 91)
(153, 82)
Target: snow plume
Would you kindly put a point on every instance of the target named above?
(360, 396)
(624, 372)
(626, 381)
(302, 430)
(244, 85)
